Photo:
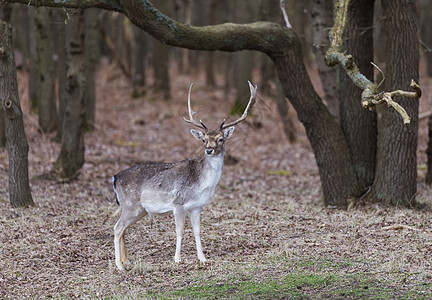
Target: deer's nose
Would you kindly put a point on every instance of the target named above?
(209, 151)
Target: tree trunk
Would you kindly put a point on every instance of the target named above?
(270, 11)
(379, 35)
(46, 100)
(32, 58)
(209, 56)
(19, 188)
(91, 55)
(160, 62)
(5, 14)
(322, 20)
(429, 153)
(71, 157)
(425, 10)
(396, 172)
(243, 61)
(359, 124)
(326, 138)
(160, 69)
(139, 59)
(283, 109)
(60, 42)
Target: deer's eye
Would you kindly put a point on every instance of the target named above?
(220, 140)
(204, 141)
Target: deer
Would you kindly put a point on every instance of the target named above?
(177, 187)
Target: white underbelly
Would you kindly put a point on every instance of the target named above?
(156, 202)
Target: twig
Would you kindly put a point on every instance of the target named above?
(373, 100)
(397, 227)
(285, 15)
(125, 69)
(425, 114)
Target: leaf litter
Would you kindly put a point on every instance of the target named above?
(267, 209)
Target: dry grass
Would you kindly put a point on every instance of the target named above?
(261, 226)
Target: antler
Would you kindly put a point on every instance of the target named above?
(191, 113)
(253, 91)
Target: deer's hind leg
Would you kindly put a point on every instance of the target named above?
(128, 217)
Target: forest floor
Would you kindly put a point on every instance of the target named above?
(266, 233)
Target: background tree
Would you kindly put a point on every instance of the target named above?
(91, 41)
(59, 24)
(358, 124)
(71, 157)
(425, 12)
(5, 14)
(16, 140)
(270, 84)
(45, 101)
(160, 61)
(396, 172)
(322, 20)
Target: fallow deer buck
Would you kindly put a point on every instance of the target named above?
(180, 187)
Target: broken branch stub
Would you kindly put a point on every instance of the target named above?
(371, 100)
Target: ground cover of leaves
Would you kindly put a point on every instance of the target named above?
(266, 233)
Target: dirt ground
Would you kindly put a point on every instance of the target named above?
(266, 220)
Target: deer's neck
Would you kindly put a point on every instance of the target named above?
(212, 170)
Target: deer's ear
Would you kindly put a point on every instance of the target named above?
(197, 134)
(228, 132)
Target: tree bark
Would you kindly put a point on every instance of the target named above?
(322, 18)
(326, 138)
(359, 124)
(46, 97)
(71, 157)
(396, 171)
(19, 187)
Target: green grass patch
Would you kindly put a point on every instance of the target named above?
(298, 279)
(290, 286)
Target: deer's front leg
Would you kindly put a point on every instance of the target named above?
(179, 216)
(195, 220)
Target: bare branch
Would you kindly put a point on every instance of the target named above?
(370, 95)
(284, 13)
(114, 5)
(387, 97)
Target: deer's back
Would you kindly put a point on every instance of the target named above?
(157, 185)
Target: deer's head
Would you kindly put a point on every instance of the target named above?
(214, 140)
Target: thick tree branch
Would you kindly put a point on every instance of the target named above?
(370, 96)
(83, 4)
(230, 37)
